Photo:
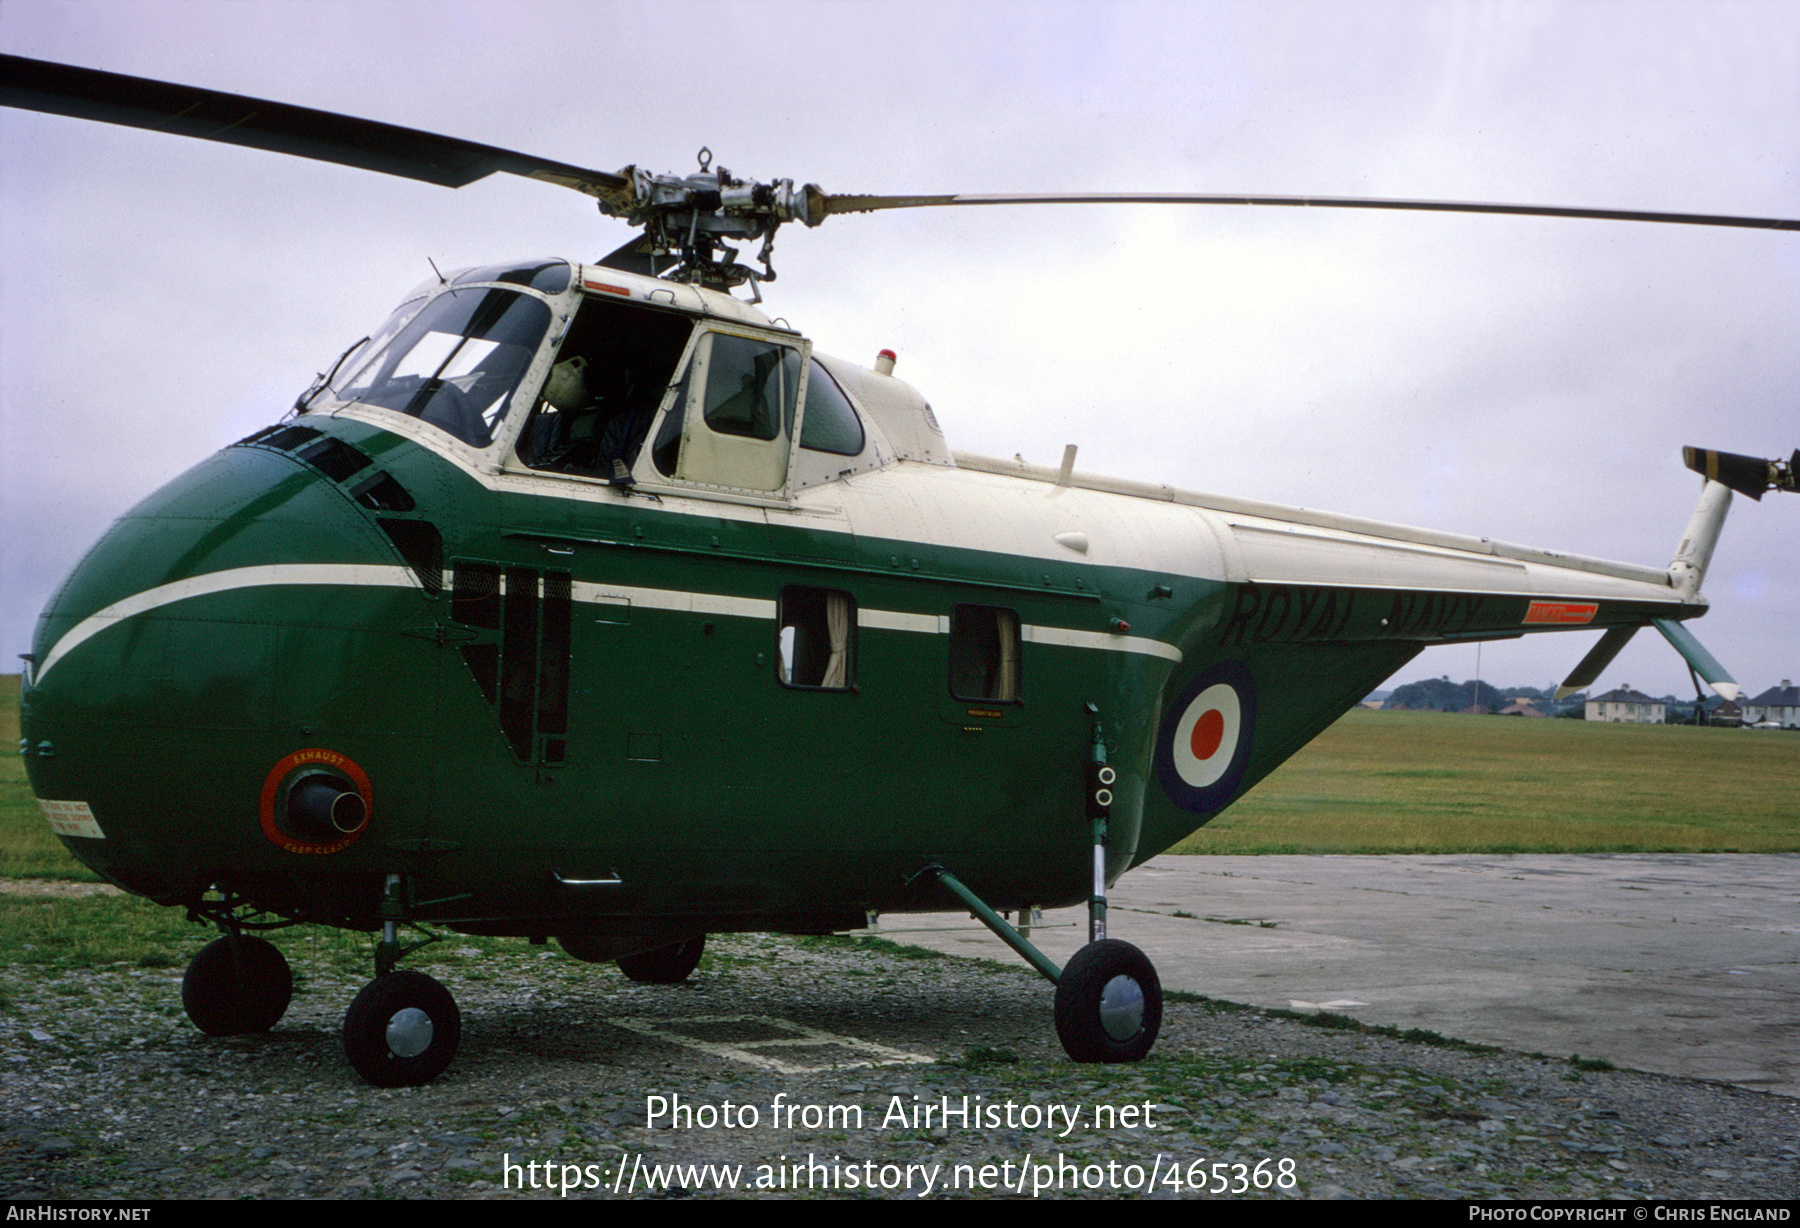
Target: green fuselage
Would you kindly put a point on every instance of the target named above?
(574, 708)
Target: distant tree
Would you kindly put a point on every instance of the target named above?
(1442, 695)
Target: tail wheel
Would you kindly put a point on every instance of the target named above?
(1108, 1003)
(668, 965)
(402, 1030)
(231, 992)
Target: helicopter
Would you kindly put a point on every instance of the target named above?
(574, 600)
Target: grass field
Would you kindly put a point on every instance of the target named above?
(1381, 782)
(1429, 782)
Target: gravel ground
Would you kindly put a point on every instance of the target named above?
(106, 1091)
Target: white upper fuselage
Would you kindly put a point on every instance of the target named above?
(906, 484)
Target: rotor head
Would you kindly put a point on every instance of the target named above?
(688, 219)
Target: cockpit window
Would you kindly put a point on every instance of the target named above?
(457, 363)
(550, 276)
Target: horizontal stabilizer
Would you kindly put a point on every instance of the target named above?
(1748, 475)
(1599, 657)
(1703, 661)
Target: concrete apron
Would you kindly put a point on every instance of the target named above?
(1681, 964)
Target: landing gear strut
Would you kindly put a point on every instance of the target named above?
(403, 1028)
(1108, 997)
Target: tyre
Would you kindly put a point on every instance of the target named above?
(1108, 1003)
(587, 948)
(402, 1030)
(668, 965)
(229, 994)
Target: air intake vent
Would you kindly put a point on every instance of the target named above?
(258, 437)
(279, 437)
(422, 546)
(382, 493)
(334, 459)
(290, 437)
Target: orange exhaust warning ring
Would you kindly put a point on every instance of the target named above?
(281, 771)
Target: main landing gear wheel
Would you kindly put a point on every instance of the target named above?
(1108, 1003)
(234, 995)
(668, 965)
(402, 1030)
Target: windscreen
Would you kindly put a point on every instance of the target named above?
(457, 363)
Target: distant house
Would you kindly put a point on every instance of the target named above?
(1780, 704)
(1520, 707)
(1631, 707)
(1722, 711)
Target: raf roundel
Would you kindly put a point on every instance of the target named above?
(1204, 743)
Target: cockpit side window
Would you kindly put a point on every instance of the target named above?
(609, 379)
(830, 424)
(457, 363)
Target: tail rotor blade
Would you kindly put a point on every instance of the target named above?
(1598, 658)
(1748, 475)
(1704, 663)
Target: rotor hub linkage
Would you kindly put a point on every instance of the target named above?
(692, 216)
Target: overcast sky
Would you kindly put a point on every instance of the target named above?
(1525, 379)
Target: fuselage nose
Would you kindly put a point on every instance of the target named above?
(223, 624)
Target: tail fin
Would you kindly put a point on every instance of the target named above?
(1724, 472)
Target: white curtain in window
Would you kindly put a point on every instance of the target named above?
(1006, 683)
(837, 625)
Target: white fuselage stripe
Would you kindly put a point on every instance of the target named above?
(895, 620)
(876, 620)
(672, 599)
(367, 574)
(1068, 637)
(1062, 637)
(379, 576)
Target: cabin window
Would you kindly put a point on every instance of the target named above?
(731, 417)
(610, 377)
(457, 363)
(816, 642)
(984, 654)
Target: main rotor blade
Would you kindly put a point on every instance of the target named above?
(868, 204)
(86, 93)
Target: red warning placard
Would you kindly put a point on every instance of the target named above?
(1561, 612)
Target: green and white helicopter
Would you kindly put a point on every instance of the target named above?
(575, 600)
